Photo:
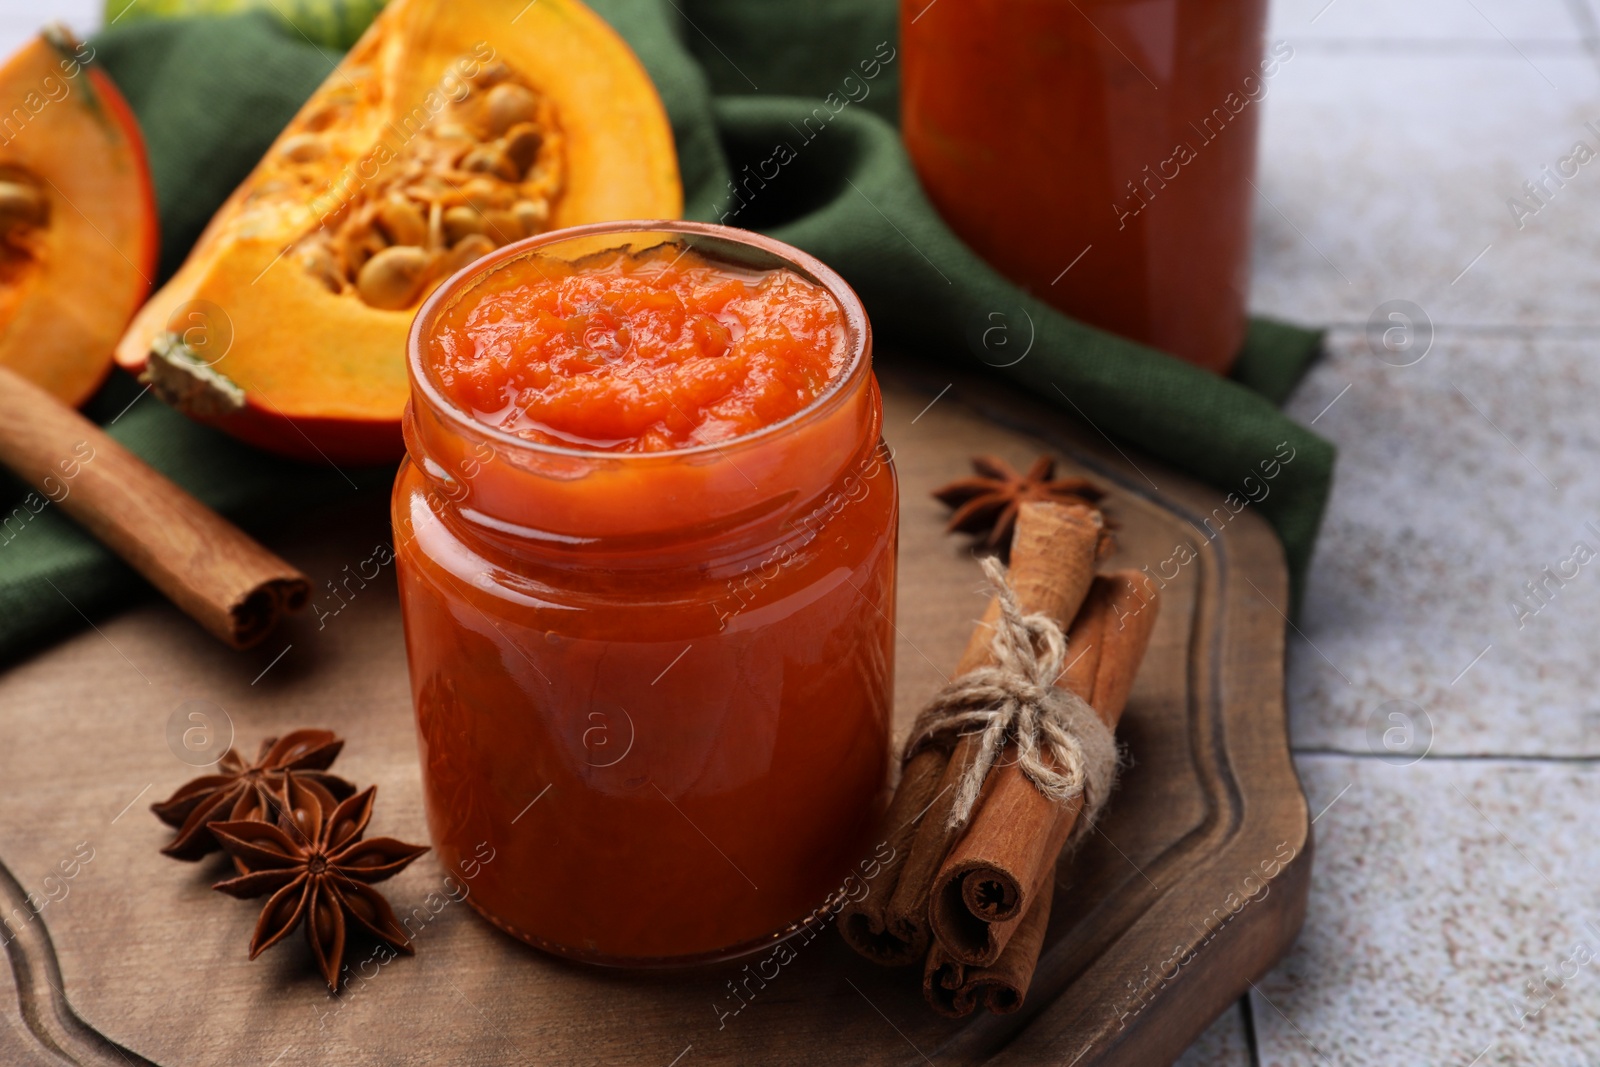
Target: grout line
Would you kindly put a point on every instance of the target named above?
(1567, 329)
(1248, 1019)
(1446, 47)
(1303, 1037)
(1330, 752)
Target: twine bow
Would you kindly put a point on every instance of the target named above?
(1062, 746)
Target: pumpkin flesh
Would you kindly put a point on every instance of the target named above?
(78, 236)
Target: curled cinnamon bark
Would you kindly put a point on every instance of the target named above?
(865, 923)
(204, 564)
(986, 885)
(955, 990)
(1052, 565)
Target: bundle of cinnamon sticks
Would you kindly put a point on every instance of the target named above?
(970, 899)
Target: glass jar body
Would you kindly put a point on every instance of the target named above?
(667, 763)
(1119, 131)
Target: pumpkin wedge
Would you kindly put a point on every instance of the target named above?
(447, 131)
(77, 217)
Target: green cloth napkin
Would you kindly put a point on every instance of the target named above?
(739, 78)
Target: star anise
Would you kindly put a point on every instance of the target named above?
(987, 503)
(318, 871)
(240, 790)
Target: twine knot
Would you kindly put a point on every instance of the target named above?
(1062, 746)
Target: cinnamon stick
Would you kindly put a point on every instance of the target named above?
(864, 923)
(942, 978)
(954, 989)
(204, 564)
(1052, 566)
(906, 913)
(984, 888)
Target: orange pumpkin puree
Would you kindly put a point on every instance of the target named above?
(640, 352)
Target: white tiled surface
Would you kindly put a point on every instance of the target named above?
(1391, 171)
(1452, 916)
(1453, 21)
(1443, 890)
(1437, 520)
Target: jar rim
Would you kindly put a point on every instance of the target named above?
(425, 385)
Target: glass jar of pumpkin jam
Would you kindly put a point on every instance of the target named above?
(1100, 154)
(646, 551)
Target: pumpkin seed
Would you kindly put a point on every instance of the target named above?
(485, 175)
(321, 264)
(394, 278)
(493, 74)
(358, 246)
(21, 204)
(303, 148)
(401, 222)
(461, 220)
(546, 181)
(507, 105)
(325, 116)
(488, 159)
(271, 187)
(471, 247)
(521, 146)
(532, 215)
(429, 187)
(502, 226)
(484, 193)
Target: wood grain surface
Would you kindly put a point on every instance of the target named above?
(1193, 886)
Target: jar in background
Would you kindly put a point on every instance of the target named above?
(1099, 153)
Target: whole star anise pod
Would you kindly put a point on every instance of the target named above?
(987, 503)
(319, 872)
(240, 790)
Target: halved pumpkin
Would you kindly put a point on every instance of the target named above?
(77, 217)
(447, 131)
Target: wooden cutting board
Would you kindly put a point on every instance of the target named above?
(1193, 887)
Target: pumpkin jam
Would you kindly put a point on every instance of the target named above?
(645, 544)
(641, 352)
